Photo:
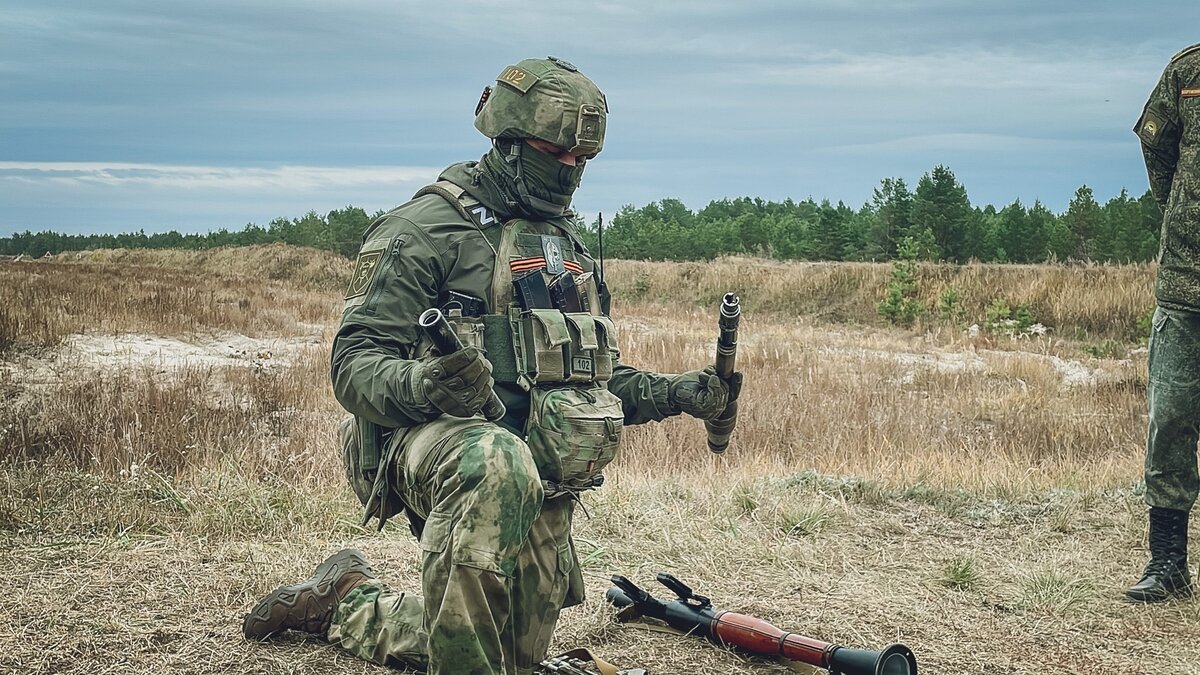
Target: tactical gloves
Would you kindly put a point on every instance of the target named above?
(458, 384)
(700, 393)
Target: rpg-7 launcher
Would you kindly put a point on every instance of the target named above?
(694, 614)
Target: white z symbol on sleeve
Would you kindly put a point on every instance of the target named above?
(485, 218)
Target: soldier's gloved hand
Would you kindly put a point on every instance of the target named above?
(457, 384)
(700, 393)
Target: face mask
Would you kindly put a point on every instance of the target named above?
(544, 173)
(541, 184)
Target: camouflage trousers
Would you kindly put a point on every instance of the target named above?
(498, 560)
(1174, 400)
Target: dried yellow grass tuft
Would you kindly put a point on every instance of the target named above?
(976, 500)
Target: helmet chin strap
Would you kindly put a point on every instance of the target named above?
(526, 200)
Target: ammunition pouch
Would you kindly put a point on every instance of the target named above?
(606, 347)
(542, 345)
(573, 433)
(580, 360)
(546, 347)
(469, 329)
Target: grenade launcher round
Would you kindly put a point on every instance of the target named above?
(721, 428)
(446, 341)
(694, 614)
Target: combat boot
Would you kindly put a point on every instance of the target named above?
(1166, 575)
(308, 606)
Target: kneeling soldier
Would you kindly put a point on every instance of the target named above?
(493, 244)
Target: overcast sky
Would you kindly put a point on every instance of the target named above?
(119, 115)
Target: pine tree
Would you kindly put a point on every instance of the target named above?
(940, 205)
(1082, 219)
(891, 205)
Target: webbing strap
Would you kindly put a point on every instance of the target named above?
(453, 193)
(1184, 52)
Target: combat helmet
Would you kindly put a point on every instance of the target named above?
(548, 99)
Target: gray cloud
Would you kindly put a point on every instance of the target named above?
(710, 99)
(214, 178)
(131, 196)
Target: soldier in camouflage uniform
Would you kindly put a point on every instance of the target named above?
(1169, 130)
(490, 499)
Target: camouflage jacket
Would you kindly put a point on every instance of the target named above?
(1169, 130)
(410, 259)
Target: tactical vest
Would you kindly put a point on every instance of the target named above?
(550, 326)
(542, 322)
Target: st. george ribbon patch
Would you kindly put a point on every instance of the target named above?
(364, 271)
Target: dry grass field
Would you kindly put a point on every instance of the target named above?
(168, 455)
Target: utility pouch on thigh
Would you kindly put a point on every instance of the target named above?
(542, 345)
(575, 585)
(352, 459)
(573, 433)
(363, 446)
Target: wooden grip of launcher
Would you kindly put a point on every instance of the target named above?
(758, 636)
(720, 429)
(446, 341)
(694, 614)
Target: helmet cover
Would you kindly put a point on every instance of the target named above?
(548, 99)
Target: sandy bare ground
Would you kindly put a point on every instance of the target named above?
(867, 569)
(134, 350)
(148, 572)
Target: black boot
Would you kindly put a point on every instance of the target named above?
(1166, 575)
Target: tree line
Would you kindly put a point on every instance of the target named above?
(937, 217)
(936, 220)
(339, 231)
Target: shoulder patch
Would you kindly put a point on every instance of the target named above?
(1185, 51)
(517, 78)
(364, 272)
(483, 217)
(466, 205)
(1148, 128)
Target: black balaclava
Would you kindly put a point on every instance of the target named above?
(531, 183)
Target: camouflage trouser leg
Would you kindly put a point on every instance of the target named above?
(493, 575)
(1174, 399)
(383, 626)
(387, 627)
(546, 571)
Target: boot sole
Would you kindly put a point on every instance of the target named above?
(288, 596)
(1171, 594)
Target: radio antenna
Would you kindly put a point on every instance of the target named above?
(600, 241)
